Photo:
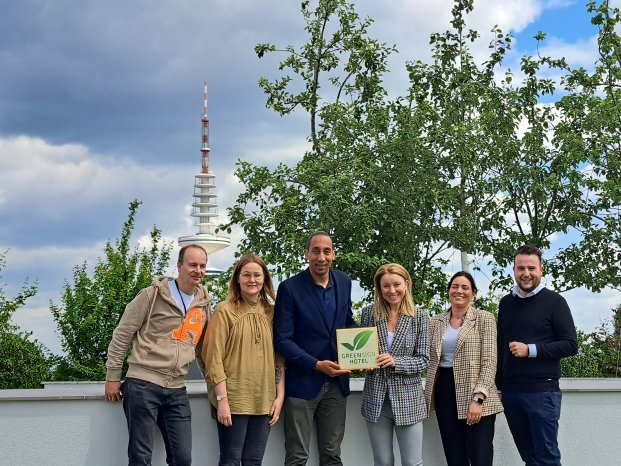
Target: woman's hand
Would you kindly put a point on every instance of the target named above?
(224, 413)
(475, 411)
(275, 410)
(385, 360)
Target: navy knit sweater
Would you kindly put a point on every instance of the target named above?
(545, 320)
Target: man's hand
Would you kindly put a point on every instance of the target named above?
(518, 349)
(113, 390)
(331, 369)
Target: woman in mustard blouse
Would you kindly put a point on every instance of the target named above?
(244, 377)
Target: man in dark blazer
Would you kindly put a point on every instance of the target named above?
(310, 306)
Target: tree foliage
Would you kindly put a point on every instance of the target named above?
(599, 352)
(361, 149)
(24, 362)
(92, 305)
(468, 159)
(591, 130)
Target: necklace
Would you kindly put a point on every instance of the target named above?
(459, 319)
(185, 310)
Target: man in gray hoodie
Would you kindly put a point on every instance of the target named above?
(164, 325)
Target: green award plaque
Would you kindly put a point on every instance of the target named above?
(357, 347)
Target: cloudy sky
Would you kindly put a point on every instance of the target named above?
(100, 103)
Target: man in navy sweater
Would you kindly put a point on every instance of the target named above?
(535, 330)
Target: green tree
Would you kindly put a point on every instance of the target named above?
(359, 153)
(469, 159)
(24, 362)
(599, 352)
(592, 128)
(93, 304)
(463, 114)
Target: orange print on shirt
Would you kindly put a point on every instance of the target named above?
(190, 327)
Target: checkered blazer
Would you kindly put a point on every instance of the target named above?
(402, 383)
(474, 363)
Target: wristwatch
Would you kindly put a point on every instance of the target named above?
(478, 400)
(220, 397)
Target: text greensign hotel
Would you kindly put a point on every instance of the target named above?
(357, 347)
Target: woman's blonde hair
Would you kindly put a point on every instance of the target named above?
(266, 295)
(381, 307)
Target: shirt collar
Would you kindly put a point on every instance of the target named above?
(329, 285)
(516, 291)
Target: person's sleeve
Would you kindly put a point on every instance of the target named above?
(489, 354)
(215, 349)
(500, 350)
(532, 350)
(284, 331)
(565, 341)
(198, 349)
(131, 321)
(418, 361)
(366, 316)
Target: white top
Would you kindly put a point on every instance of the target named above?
(183, 300)
(449, 342)
(390, 337)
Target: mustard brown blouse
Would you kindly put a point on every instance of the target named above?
(239, 349)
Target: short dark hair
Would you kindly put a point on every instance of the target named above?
(317, 233)
(185, 248)
(528, 250)
(470, 278)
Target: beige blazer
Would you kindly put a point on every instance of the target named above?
(474, 364)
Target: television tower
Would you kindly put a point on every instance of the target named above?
(205, 208)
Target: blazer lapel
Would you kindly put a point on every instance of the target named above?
(337, 317)
(439, 333)
(466, 328)
(382, 335)
(400, 332)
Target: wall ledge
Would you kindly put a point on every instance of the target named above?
(197, 388)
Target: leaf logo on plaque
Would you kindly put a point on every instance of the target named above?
(357, 347)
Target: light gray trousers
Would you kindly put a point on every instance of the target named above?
(410, 439)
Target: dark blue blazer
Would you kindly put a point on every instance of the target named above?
(302, 334)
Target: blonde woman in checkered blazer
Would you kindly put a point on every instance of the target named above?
(460, 380)
(393, 397)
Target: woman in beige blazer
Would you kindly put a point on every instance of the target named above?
(460, 379)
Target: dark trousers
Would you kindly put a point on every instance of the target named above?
(328, 409)
(245, 441)
(463, 445)
(147, 405)
(533, 421)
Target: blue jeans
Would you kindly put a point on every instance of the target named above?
(245, 441)
(533, 421)
(147, 405)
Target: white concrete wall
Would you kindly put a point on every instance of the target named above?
(70, 424)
